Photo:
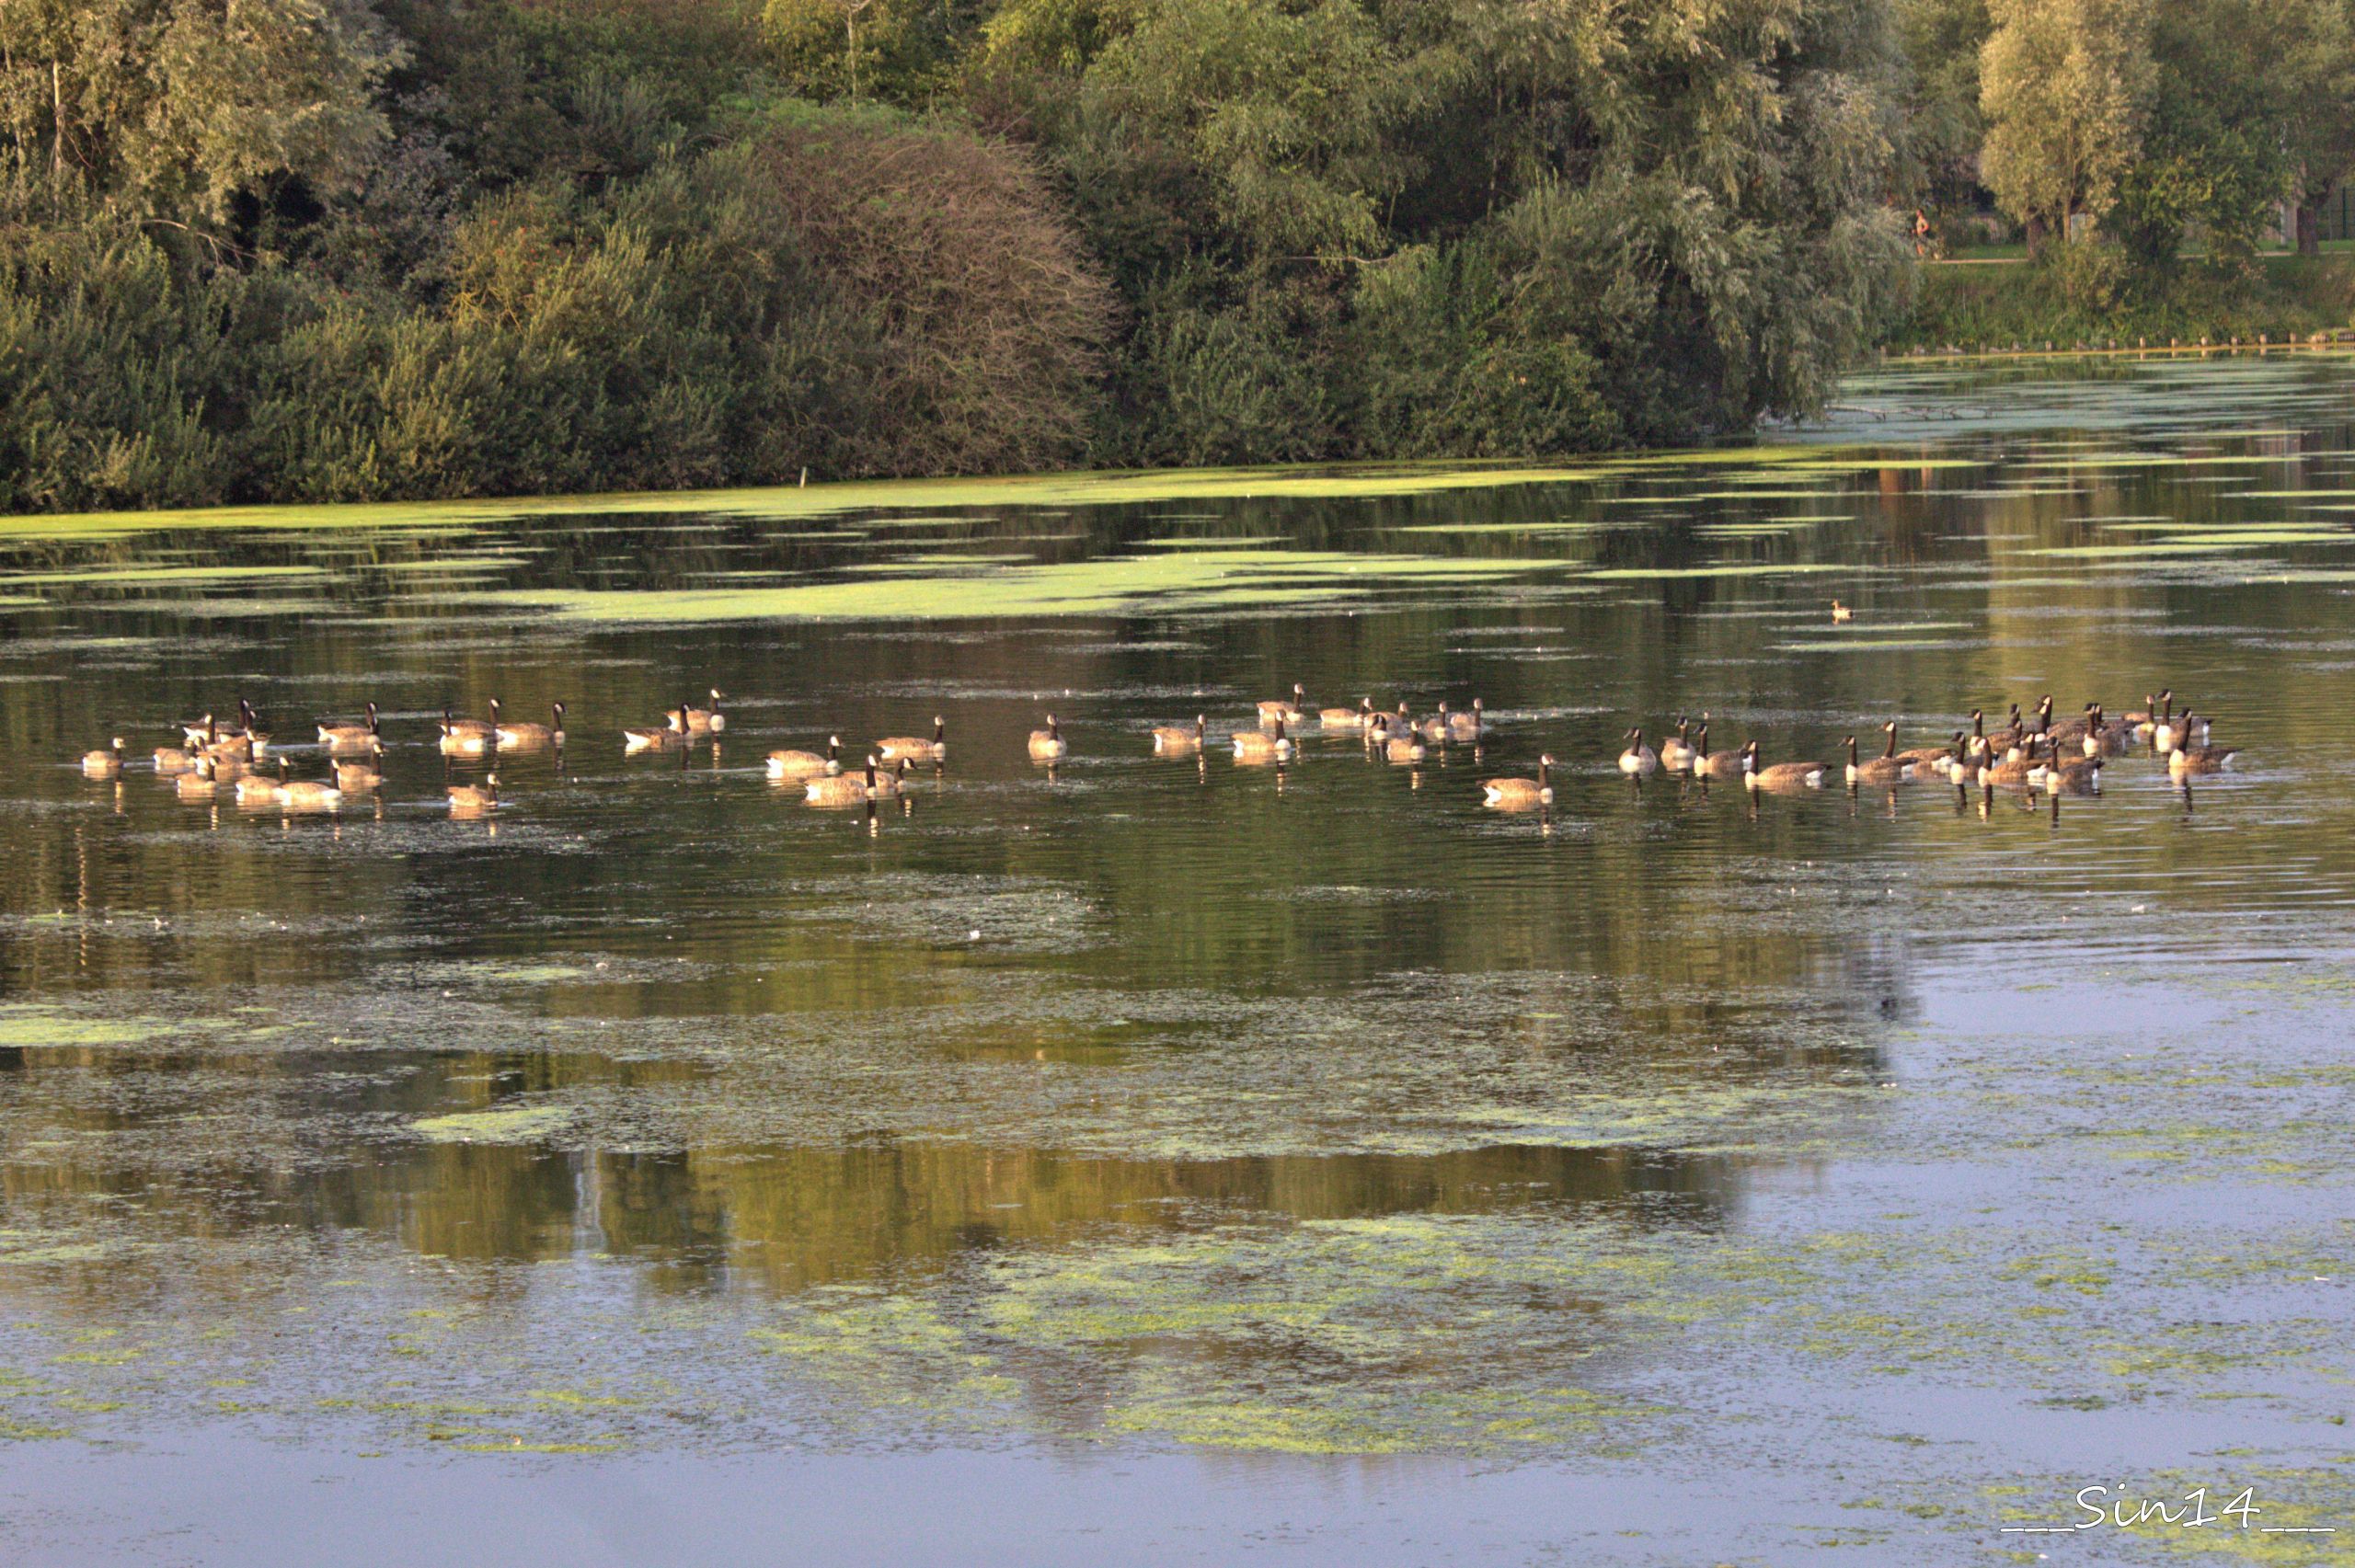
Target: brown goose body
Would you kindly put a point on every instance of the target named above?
(1170, 738)
(336, 737)
(842, 789)
(1288, 712)
(1047, 744)
(308, 795)
(531, 737)
(1884, 769)
(916, 748)
(473, 800)
(1262, 746)
(1676, 751)
(807, 764)
(1521, 794)
(470, 737)
(1708, 765)
(1781, 776)
(687, 720)
(353, 778)
(2187, 758)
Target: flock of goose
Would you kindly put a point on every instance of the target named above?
(2033, 750)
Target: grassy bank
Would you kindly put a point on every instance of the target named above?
(1998, 305)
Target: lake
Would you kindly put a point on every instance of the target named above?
(1171, 1159)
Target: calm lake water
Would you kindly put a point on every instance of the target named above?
(1168, 1160)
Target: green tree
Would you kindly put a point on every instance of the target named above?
(173, 110)
(2066, 86)
(2212, 151)
(1291, 114)
(1944, 129)
(2311, 68)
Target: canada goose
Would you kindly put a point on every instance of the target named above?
(218, 741)
(259, 789)
(353, 778)
(1938, 757)
(308, 795)
(528, 737)
(230, 760)
(1638, 759)
(1347, 718)
(2080, 775)
(1403, 746)
(2163, 726)
(2086, 726)
(807, 764)
(466, 800)
(237, 739)
(197, 782)
(1171, 738)
(1840, 613)
(1782, 775)
(902, 747)
(687, 720)
(1521, 794)
(172, 760)
(468, 736)
(1438, 729)
(257, 738)
(1974, 746)
(1047, 744)
(106, 765)
(1708, 765)
(2188, 759)
(1257, 746)
(1883, 768)
(2114, 733)
(652, 739)
(1676, 754)
(2010, 742)
(333, 735)
(1467, 726)
(1270, 713)
(842, 789)
(2013, 767)
(892, 781)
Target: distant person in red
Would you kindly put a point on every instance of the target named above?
(1921, 234)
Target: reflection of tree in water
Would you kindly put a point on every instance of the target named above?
(794, 1218)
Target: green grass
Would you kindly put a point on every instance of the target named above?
(1994, 307)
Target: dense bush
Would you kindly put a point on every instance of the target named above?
(851, 295)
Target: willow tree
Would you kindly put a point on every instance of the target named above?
(2066, 86)
(1352, 227)
(169, 111)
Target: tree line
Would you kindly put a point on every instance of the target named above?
(2134, 128)
(324, 250)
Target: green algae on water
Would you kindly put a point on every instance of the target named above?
(522, 1124)
(1176, 580)
(158, 576)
